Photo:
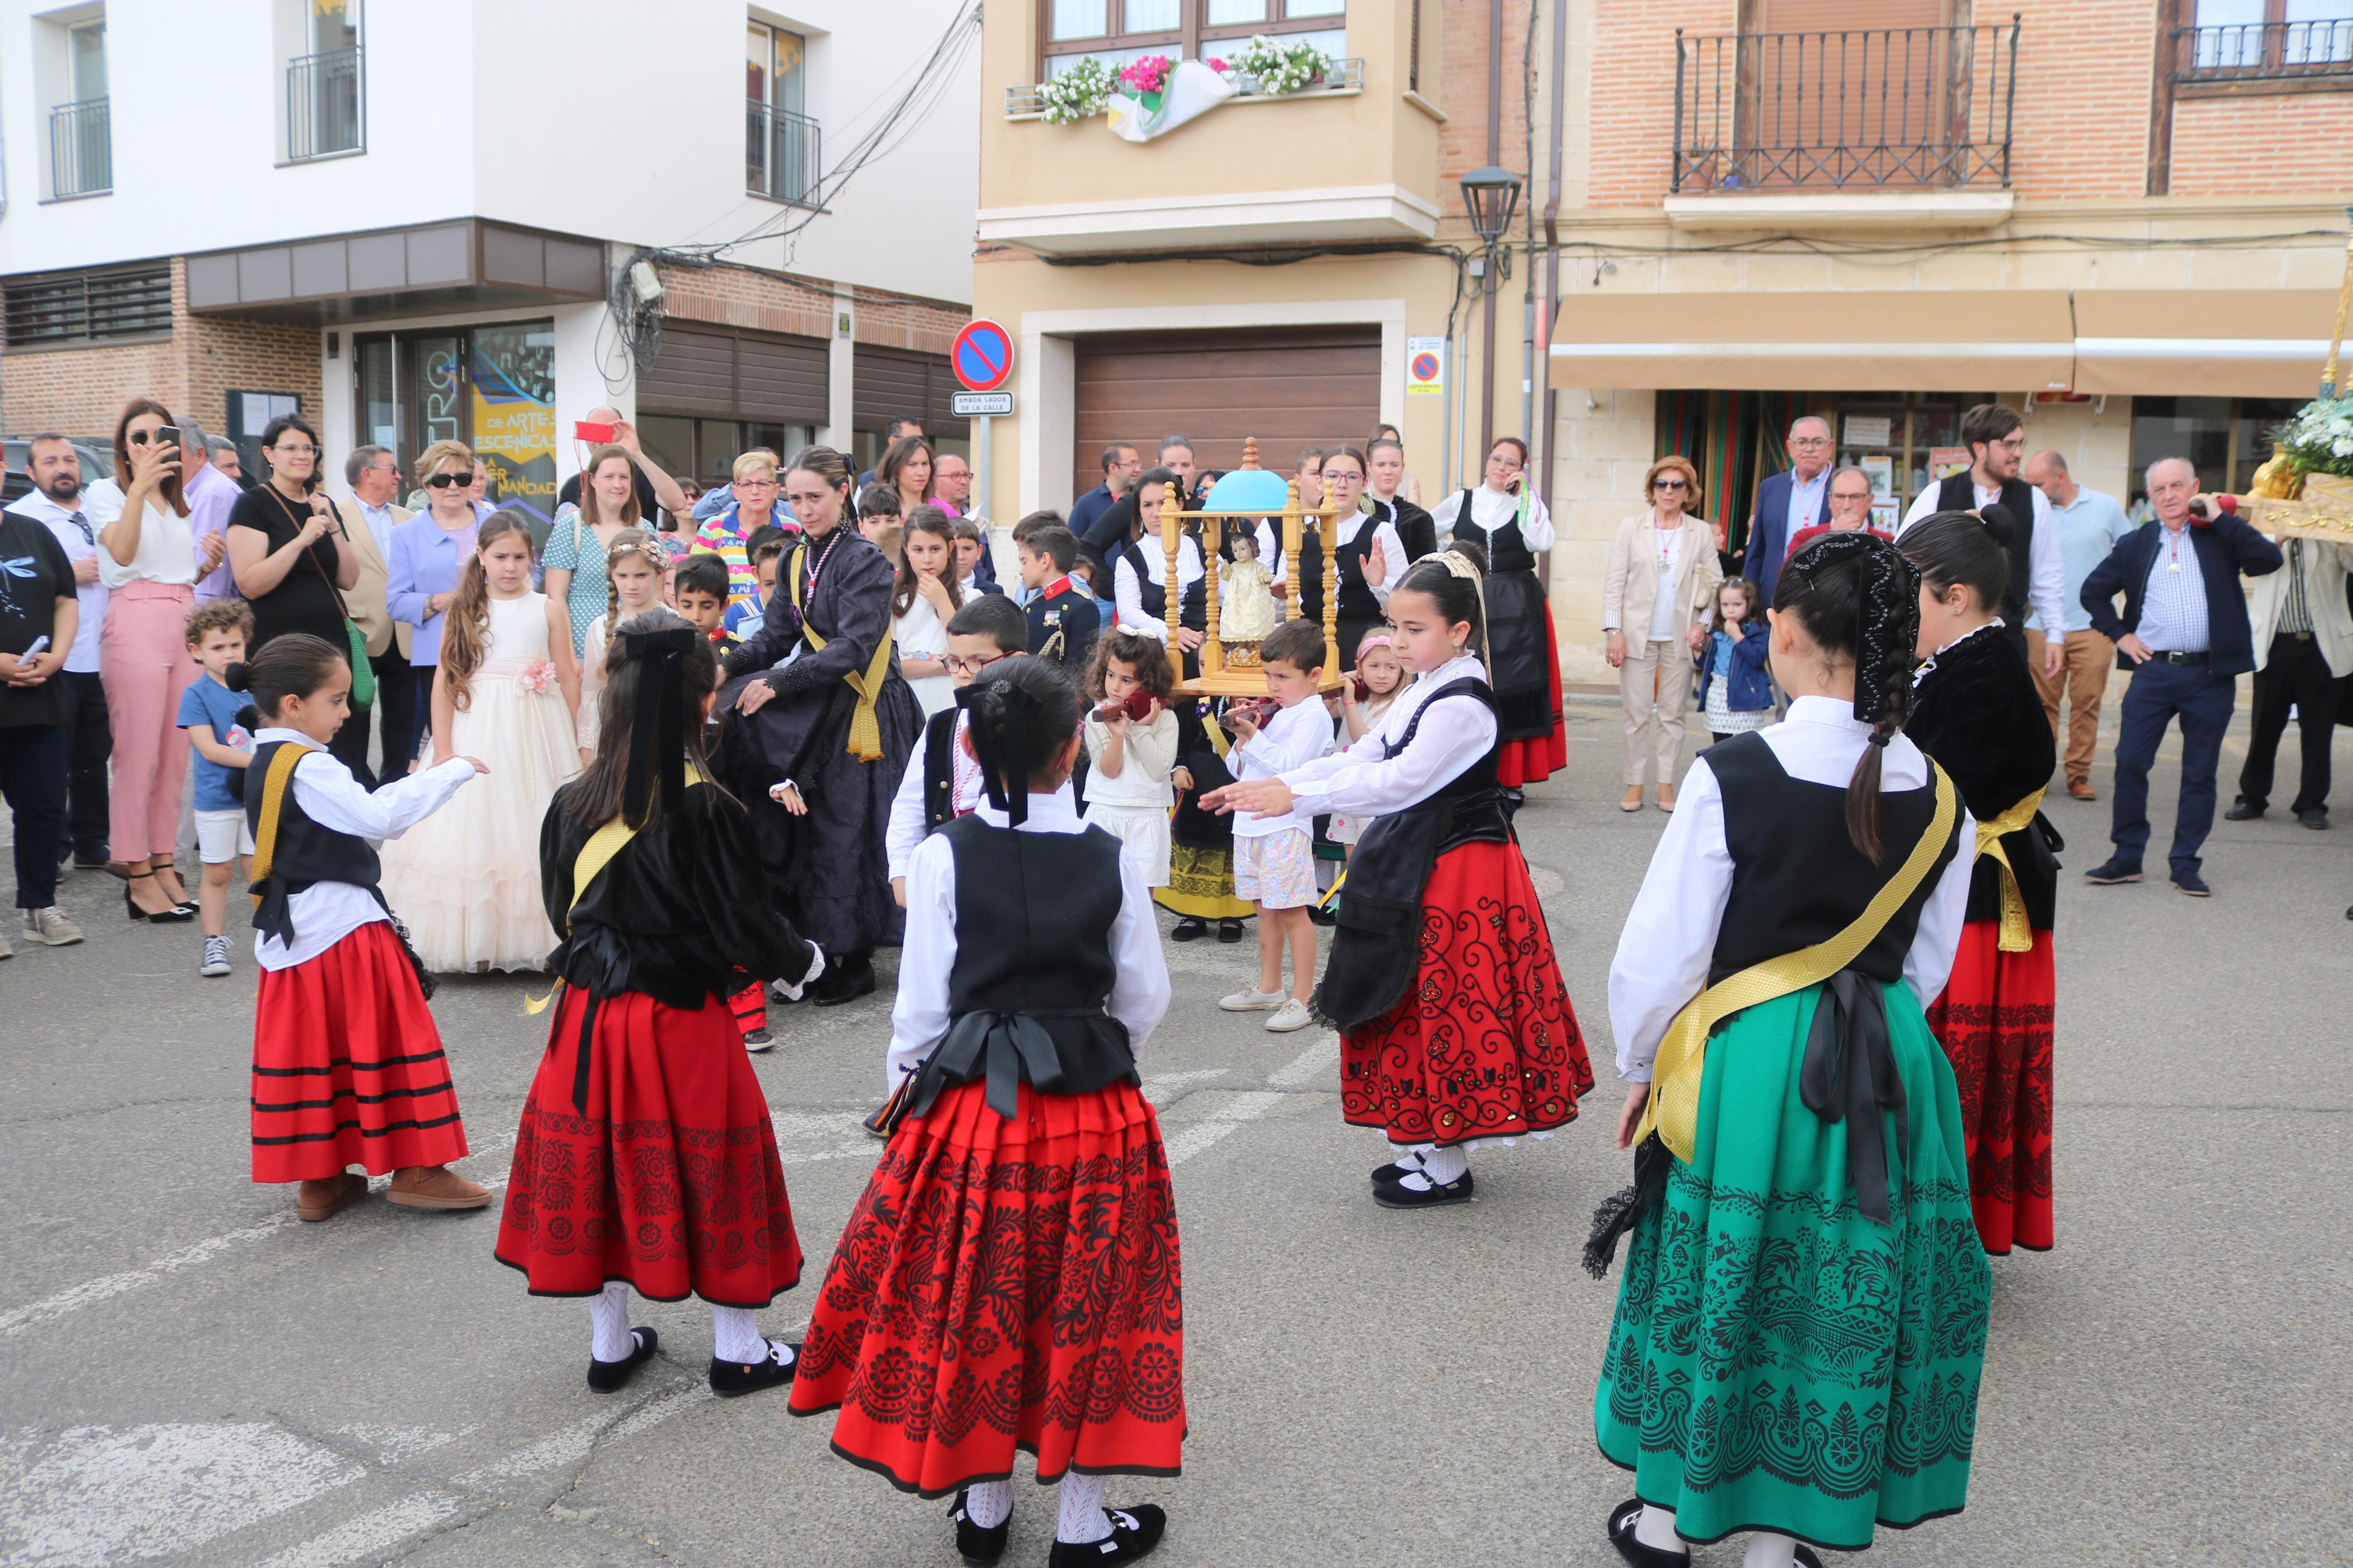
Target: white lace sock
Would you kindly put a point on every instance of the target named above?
(1411, 1162)
(1656, 1529)
(1440, 1168)
(609, 1322)
(1766, 1549)
(1083, 1519)
(736, 1336)
(987, 1503)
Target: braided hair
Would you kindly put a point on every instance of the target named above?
(1859, 599)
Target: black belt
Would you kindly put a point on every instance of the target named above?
(1849, 1074)
(2178, 657)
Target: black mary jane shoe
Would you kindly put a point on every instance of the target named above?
(978, 1547)
(1396, 1171)
(612, 1376)
(1398, 1195)
(1134, 1532)
(731, 1378)
(1229, 930)
(846, 984)
(1189, 927)
(1622, 1519)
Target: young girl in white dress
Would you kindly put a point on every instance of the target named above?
(466, 881)
(925, 599)
(635, 564)
(1129, 759)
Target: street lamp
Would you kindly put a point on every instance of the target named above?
(1491, 196)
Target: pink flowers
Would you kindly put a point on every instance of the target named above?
(537, 676)
(1149, 73)
(1216, 65)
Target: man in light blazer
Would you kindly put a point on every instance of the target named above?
(1797, 497)
(369, 517)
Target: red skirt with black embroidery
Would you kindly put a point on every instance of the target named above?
(668, 1179)
(1485, 1044)
(1537, 757)
(1994, 1021)
(1003, 1285)
(347, 1066)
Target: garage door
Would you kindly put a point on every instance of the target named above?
(1292, 387)
(888, 384)
(735, 372)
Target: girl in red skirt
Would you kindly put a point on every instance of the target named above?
(645, 1157)
(1975, 712)
(1456, 1029)
(347, 1066)
(1009, 1280)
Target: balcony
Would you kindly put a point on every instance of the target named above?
(81, 149)
(784, 155)
(1887, 126)
(2263, 56)
(326, 106)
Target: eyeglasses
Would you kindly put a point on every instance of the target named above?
(381, 468)
(971, 665)
(1339, 476)
(1809, 440)
(1852, 499)
(755, 484)
(443, 482)
(296, 451)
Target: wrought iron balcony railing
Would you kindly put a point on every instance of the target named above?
(81, 147)
(2265, 51)
(326, 105)
(1872, 107)
(783, 155)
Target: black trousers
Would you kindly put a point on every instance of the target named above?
(33, 782)
(2293, 675)
(90, 741)
(396, 705)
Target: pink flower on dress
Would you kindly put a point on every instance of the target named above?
(538, 675)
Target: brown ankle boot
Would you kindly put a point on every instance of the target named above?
(436, 1187)
(315, 1200)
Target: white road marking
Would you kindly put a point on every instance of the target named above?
(101, 1495)
(91, 1292)
(1160, 1088)
(369, 1532)
(1311, 1063)
(1223, 1120)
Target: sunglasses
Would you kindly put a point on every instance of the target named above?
(1668, 485)
(443, 482)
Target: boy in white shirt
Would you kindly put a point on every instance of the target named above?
(1275, 856)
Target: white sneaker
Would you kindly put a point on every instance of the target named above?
(1292, 1014)
(1250, 1001)
(50, 928)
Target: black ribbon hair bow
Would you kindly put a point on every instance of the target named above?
(658, 737)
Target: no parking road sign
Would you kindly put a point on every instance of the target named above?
(983, 357)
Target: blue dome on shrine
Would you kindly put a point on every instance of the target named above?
(1255, 493)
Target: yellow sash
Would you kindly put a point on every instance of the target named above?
(1673, 1110)
(2016, 931)
(865, 734)
(282, 763)
(595, 856)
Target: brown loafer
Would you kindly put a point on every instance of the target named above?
(348, 1187)
(437, 1187)
(2081, 788)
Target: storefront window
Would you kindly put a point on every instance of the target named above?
(2225, 438)
(492, 387)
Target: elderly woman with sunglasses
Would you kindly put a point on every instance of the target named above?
(429, 553)
(1660, 588)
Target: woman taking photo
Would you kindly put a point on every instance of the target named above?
(576, 550)
(429, 553)
(907, 468)
(151, 561)
(1504, 518)
(837, 723)
(1655, 600)
(293, 565)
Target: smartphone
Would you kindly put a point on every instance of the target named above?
(168, 436)
(595, 435)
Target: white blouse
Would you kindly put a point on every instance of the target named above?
(1393, 561)
(1490, 511)
(167, 541)
(921, 633)
(1669, 934)
(1140, 989)
(325, 913)
(1148, 757)
(1362, 782)
(1128, 593)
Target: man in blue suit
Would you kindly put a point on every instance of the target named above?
(1797, 497)
(2185, 637)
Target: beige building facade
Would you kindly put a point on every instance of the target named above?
(2127, 217)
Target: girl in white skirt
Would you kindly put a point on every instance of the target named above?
(1131, 748)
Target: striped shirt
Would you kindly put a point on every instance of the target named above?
(2295, 614)
(2173, 604)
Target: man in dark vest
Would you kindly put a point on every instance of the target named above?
(1995, 434)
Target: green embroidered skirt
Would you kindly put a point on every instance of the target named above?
(1779, 1362)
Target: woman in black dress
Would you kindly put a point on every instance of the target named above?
(1508, 521)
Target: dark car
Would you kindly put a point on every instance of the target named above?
(97, 463)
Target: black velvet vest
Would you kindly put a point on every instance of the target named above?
(306, 853)
(1958, 493)
(1797, 878)
(1192, 601)
(1507, 550)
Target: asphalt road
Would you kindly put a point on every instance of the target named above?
(188, 1376)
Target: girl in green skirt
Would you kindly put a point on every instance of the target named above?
(1802, 1316)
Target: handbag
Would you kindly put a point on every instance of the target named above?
(355, 640)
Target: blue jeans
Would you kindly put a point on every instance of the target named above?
(2160, 693)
